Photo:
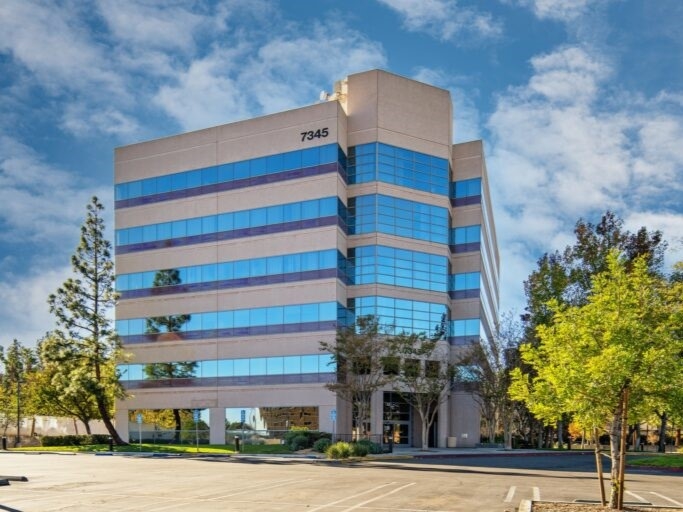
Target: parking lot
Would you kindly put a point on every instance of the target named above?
(107, 483)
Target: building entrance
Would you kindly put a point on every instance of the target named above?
(396, 420)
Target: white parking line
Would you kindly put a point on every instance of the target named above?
(537, 494)
(510, 494)
(350, 497)
(677, 503)
(639, 498)
(379, 497)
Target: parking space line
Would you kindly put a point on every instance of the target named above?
(350, 497)
(639, 498)
(258, 488)
(393, 491)
(510, 494)
(537, 493)
(677, 503)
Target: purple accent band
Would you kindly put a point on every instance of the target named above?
(235, 233)
(471, 247)
(465, 201)
(462, 340)
(464, 294)
(249, 380)
(232, 185)
(232, 283)
(256, 330)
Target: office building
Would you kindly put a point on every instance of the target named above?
(240, 247)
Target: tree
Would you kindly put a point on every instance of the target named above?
(425, 375)
(488, 363)
(18, 363)
(62, 385)
(81, 305)
(601, 360)
(359, 352)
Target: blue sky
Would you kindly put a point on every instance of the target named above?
(579, 104)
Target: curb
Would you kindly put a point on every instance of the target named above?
(524, 506)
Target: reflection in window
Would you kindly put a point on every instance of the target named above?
(402, 315)
(223, 173)
(256, 366)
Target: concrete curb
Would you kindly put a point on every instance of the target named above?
(524, 506)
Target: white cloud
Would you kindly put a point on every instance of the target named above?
(284, 72)
(40, 204)
(560, 10)
(25, 314)
(561, 151)
(445, 20)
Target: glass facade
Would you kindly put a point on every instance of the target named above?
(465, 331)
(397, 267)
(400, 217)
(249, 272)
(233, 224)
(465, 285)
(466, 192)
(239, 322)
(465, 239)
(244, 367)
(401, 315)
(381, 162)
(203, 180)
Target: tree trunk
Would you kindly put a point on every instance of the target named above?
(178, 426)
(87, 427)
(560, 434)
(425, 432)
(614, 442)
(661, 446)
(104, 413)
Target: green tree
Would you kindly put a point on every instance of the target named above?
(601, 360)
(81, 305)
(425, 375)
(359, 352)
(62, 385)
(19, 363)
(488, 363)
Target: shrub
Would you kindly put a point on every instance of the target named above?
(339, 450)
(299, 438)
(73, 440)
(373, 448)
(322, 444)
(359, 449)
(299, 442)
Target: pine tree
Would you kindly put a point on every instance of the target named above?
(81, 305)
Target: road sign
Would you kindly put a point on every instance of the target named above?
(196, 415)
(333, 414)
(138, 418)
(243, 415)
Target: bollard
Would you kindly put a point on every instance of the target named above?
(4, 443)
(111, 444)
(237, 443)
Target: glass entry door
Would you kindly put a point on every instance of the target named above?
(396, 420)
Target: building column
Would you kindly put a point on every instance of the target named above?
(217, 425)
(442, 424)
(121, 423)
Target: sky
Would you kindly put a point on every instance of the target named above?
(579, 104)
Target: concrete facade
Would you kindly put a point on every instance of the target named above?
(207, 223)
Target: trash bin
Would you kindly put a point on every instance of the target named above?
(451, 442)
(111, 444)
(237, 443)
(4, 443)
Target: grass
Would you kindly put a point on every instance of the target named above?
(662, 460)
(166, 448)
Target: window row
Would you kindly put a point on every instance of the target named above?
(256, 267)
(400, 217)
(254, 167)
(466, 235)
(465, 281)
(382, 162)
(274, 315)
(397, 267)
(466, 327)
(284, 365)
(276, 214)
(402, 315)
(466, 188)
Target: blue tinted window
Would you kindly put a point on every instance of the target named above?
(467, 188)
